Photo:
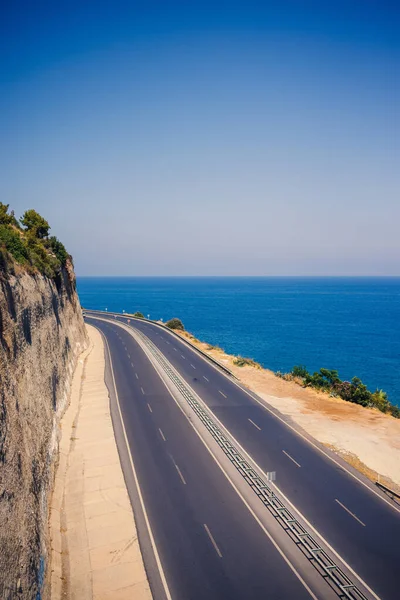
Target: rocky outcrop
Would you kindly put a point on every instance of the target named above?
(41, 335)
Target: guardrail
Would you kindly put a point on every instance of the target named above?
(162, 326)
(318, 557)
(387, 490)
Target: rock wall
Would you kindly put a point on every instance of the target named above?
(41, 335)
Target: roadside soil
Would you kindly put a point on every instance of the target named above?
(95, 549)
(366, 438)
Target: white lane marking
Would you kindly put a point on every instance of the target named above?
(137, 376)
(252, 422)
(146, 518)
(167, 342)
(192, 366)
(128, 355)
(142, 391)
(175, 350)
(222, 394)
(132, 364)
(251, 511)
(240, 447)
(162, 435)
(204, 377)
(214, 543)
(150, 409)
(305, 438)
(291, 458)
(182, 356)
(179, 473)
(350, 513)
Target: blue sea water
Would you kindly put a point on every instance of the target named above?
(343, 323)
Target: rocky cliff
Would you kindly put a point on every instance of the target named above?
(41, 336)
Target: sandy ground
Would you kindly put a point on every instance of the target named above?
(365, 437)
(95, 550)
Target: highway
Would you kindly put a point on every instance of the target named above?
(210, 544)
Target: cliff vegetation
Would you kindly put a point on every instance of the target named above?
(27, 243)
(41, 336)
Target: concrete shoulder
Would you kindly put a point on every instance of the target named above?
(95, 548)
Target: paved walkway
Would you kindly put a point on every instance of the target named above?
(95, 550)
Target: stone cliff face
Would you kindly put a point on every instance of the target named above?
(41, 336)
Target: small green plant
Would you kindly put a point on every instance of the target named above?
(175, 324)
(300, 371)
(31, 246)
(14, 244)
(212, 347)
(355, 391)
(35, 223)
(138, 315)
(241, 361)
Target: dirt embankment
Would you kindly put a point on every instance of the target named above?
(41, 334)
(368, 439)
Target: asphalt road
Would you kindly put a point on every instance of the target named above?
(362, 528)
(209, 544)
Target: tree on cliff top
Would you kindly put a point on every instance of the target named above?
(175, 324)
(5, 217)
(35, 224)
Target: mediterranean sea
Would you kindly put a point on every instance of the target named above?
(344, 323)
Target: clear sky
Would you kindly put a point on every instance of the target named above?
(206, 138)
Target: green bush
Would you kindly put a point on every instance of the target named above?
(300, 371)
(7, 218)
(14, 244)
(31, 247)
(35, 223)
(241, 361)
(57, 248)
(175, 324)
(353, 391)
(138, 315)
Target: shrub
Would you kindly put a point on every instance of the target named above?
(5, 217)
(241, 361)
(138, 315)
(35, 223)
(175, 324)
(13, 243)
(58, 249)
(353, 391)
(300, 371)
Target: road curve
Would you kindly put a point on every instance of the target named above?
(357, 523)
(209, 544)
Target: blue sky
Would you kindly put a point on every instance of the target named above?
(206, 138)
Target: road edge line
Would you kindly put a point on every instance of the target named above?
(152, 541)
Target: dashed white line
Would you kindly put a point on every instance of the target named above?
(175, 349)
(162, 435)
(192, 366)
(152, 542)
(137, 376)
(142, 391)
(167, 342)
(214, 543)
(291, 458)
(132, 364)
(222, 394)
(150, 409)
(350, 513)
(256, 426)
(182, 356)
(179, 473)
(128, 355)
(204, 377)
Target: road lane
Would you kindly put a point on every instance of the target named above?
(372, 551)
(183, 489)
